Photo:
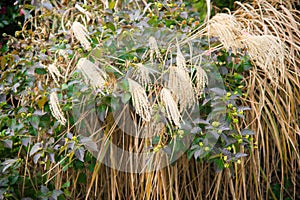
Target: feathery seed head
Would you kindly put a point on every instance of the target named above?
(267, 52)
(53, 70)
(92, 74)
(180, 60)
(55, 109)
(181, 85)
(227, 29)
(170, 105)
(80, 33)
(142, 74)
(154, 49)
(201, 81)
(140, 100)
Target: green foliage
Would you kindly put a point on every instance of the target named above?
(231, 144)
(35, 148)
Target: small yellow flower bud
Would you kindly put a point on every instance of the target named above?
(215, 124)
(235, 120)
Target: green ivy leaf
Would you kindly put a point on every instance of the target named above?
(40, 71)
(125, 97)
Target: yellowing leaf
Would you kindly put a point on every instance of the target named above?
(41, 102)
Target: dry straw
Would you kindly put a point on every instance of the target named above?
(92, 74)
(140, 100)
(170, 105)
(55, 109)
(80, 33)
(82, 10)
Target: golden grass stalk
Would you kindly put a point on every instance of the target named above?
(262, 18)
(274, 108)
(55, 108)
(80, 33)
(170, 105)
(92, 73)
(140, 100)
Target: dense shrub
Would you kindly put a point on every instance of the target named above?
(45, 151)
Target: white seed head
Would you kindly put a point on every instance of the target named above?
(170, 105)
(54, 72)
(181, 86)
(92, 73)
(227, 29)
(140, 100)
(201, 81)
(180, 60)
(55, 109)
(154, 49)
(80, 33)
(267, 52)
(142, 74)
